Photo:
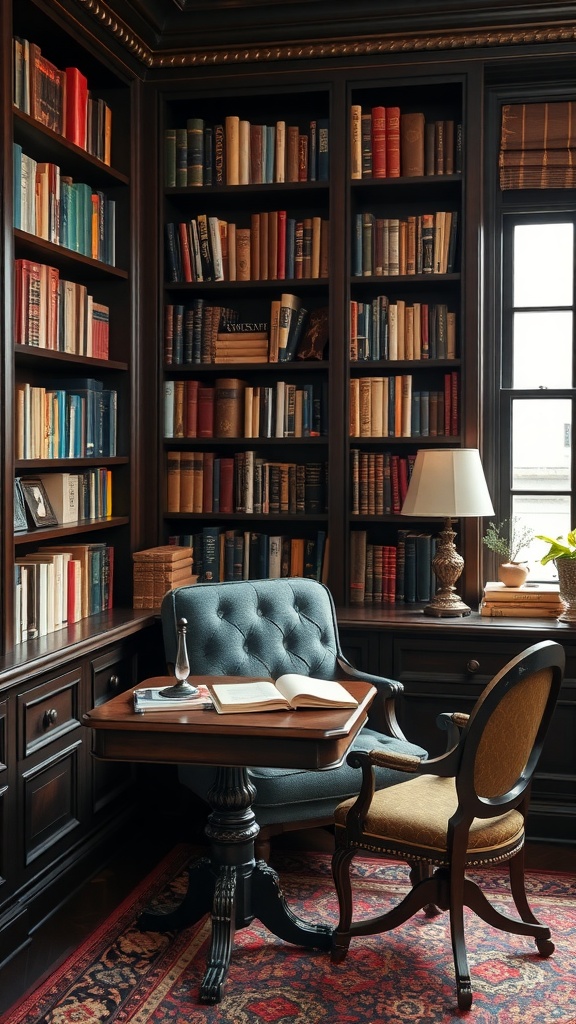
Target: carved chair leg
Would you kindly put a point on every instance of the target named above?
(463, 983)
(418, 872)
(341, 862)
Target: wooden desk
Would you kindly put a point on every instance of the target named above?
(230, 884)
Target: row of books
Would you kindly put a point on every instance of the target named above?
(200, 482)
(390, 574)
(59, 585)
(72, 497)
(390, 247)
(60, 99)
(392, 407)
(381, 329)
(204, 333)
(69, 418)
(57, 314)
(232, 408)
(531, 600)
(247, 555)
(274, 247)
(239, 152)
(66, 212)
(379, 482)
(386, 143)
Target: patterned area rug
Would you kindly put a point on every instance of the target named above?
(124, 976)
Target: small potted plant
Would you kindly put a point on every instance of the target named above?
(508, 539)
(562, 552)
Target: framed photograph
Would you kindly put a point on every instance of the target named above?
(39, 508)
(20, 521)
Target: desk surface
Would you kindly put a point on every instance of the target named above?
(308, 739)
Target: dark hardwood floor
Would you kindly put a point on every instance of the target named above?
(132, 861)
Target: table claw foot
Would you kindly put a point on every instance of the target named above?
(270, 907)
(223, 927)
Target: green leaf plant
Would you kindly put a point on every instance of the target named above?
(559, 547)
(508, 538)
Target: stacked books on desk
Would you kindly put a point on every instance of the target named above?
(531, 600)
(158, 570)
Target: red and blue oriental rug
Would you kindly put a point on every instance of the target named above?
(121, 975)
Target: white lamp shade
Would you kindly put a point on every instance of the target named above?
(447, 482)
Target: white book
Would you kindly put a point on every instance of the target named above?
(63, 493)
(274, 557)
(216, 248)
(169, 388)
(289, 692)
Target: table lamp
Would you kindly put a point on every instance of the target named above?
(447, 482)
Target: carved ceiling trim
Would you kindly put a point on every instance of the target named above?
(413, 43)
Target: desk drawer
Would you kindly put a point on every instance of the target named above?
(450, 660)
(112, 673)
(49, 711)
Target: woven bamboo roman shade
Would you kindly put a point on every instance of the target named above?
(538, 145)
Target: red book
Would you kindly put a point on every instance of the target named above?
(378, 142)
(281, 242)
(447, 404)
(393, 142)
(76, 107)
(226, 485)
(191, 409)
(185, 255)
(205, 412)
(454, 404)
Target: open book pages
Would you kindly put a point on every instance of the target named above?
(152, 699)
(289, 692)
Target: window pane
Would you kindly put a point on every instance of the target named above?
(542, 350)
(543, 267)
(547, 514)
(541, 438)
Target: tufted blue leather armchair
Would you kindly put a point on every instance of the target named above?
(268, 627)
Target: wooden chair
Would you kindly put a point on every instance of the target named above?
(266, 628)
(466, 808)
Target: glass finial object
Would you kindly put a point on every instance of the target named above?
(181, 668)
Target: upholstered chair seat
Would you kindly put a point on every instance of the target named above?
(267, 628)
(464, 809)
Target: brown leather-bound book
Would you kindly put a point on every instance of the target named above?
(449, 147)
(229, 407)
(167, 554)
(378, 142)
(226, 484)
(232, 153)
(243, 268)
(272, 245)
(392, 142)
(255, 247)
(173, 481)
(191, 409)
(357, 566)
(187, 481)
(205, 412)
(292, 144)
(264, 240)
(198, 478)
(208, 482)
(412, 145)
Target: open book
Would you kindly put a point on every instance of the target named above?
(289, 692)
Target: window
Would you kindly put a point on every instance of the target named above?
(537, 396)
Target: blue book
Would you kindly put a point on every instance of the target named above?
(270, 132)
(424, 413)
(290, 246)
(410, 568)
(216, 486)
(423, 559)
(415, 414)
(210, 553)
(357, 246)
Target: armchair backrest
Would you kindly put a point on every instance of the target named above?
(503, 739)
(255, 627)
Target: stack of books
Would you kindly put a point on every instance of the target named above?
(158, 570)
(531, 600)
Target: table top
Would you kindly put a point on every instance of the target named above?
(310, 738)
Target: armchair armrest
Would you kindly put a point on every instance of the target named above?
(452, 722)
(383, 710)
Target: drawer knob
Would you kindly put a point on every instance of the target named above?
(472, 666)
(50, 718)
(114, 682)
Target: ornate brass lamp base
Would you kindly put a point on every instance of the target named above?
(448, 566)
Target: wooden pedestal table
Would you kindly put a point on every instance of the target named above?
(230, 884)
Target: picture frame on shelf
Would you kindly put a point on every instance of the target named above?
(40, 510)
(20, 521)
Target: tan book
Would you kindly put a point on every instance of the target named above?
(513, 612)
(274, 329)
(376, 395)
(255, 246)
(316, 242)
(412, 144)
(243, 152)
(355, 141)
(173, 481)
(289, 692)
(232, 161)
(354, 407)
(243, 269)
(169, 554)
(280, 152)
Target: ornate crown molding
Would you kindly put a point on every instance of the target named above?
(416, 42)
